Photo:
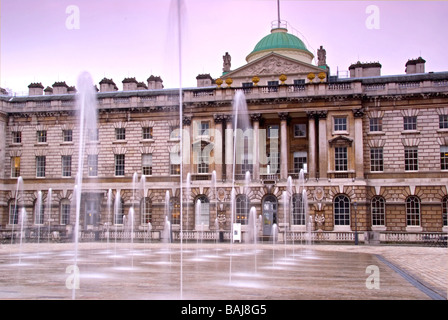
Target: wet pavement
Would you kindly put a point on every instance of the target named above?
(222, 271)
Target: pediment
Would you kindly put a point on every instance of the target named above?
(340, 141)
(273, 64)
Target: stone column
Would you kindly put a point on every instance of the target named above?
(256, 147)
(218, 145)
(311, 144)
(284, 116)
(323, 144)
(229, 147)
(359, 154)
(186, 146)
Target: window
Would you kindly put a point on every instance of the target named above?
(273, 131)
(298, 209)
(65, 211)
(174, 133)
(67, 135)
(175, 163)
(146, 210)
(299, 130)
(119, 164)
(40, 166)
(413, 211)
(175, 210)
(242, 208)
(376, 159)
(66, 166)
(410, 123)
(202, 209)
(16, 137)
(443, 121)
(340, 159)
(300, 159)
(445, 210)
(443, 157)
(119, 213)
(147, 164)
(411, 159)
(272, 86)
(378, 211)
(92, 165)
(203, 128)
(273, 163)
(13, 212)
(120, 133)
(15, 167)
(147, 133)
(340, 124)
(341, 207)
(203, 158)
(39, 212)
(376, 124)
(41, 136)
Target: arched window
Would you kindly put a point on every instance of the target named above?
(341, 207)
(64, 211)
(378, 211)
(298, 209)
(270, 205)
(445, 210)
(242, 207)
(39, 212)
(146, 210)
(413, 211)
(202, 211)
(175, 210)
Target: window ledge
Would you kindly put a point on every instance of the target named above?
(336, 133)
(414, 229)
(442, 130)
(41, 144)
(67, 143)
(410, 132)
(119, 142)
(147, 141)
(376, 133)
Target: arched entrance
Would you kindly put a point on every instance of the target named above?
(270, 205)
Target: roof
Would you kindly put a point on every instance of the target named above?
(279, 39)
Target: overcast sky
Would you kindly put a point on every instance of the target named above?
(55, 40)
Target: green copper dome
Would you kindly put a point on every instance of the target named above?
(279, 39)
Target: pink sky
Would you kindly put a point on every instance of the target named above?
(137, 38)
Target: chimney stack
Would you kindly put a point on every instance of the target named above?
(36, 89)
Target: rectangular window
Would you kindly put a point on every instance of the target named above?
(203, 161)
(340, 159)
(299, 130)
(66, 166)
(411, 159)
(410, 123)
(67, 135)
(120, 133)
(376, 124)
(443, 121)
(300, 161)
(147, 164)
(13, 213)
(15, 167)
(16, 137)
(444, 157)
(340, 124)
(119, 165)
(273, 163)
(203, 128)
(65, 212)
(40, 166)
(92, 165)
(147, 133)
(273, 131)
(41, 136)
(376, 159)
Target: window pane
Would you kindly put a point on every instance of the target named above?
(378, 210)
(376, 159)
(340, 158)
(411, 159)
(413, 211)
(341, 211)
(119, 164)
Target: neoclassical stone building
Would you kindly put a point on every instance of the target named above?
(373, 150)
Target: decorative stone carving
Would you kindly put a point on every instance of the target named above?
(219, 118)
(274, 65)
(186, 121)
(226, 62)
(320, 220)
(256, 117)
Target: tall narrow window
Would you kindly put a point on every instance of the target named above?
(39, 212)
(443, 121)
(413, 211)
(92, 165)
(119, 213)
(147, 164)
(175, 163)
(40, 166)
(146, 210)
(202, 209)
(378, 211)
(175, 210)
(376, 159)
(65, 211)
(341, 207)
(340, 159)
(66, 166)
(15, 167)
(119, 164)
(411, 158)
(13, 212)
(242, 207)
(445, 210)
(444, 158)
(298, 209)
